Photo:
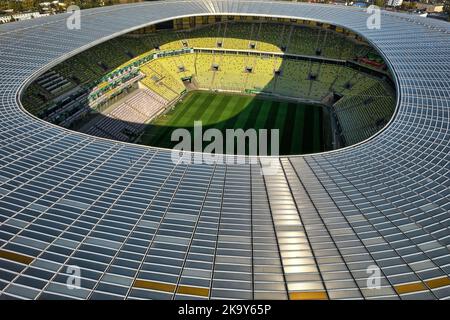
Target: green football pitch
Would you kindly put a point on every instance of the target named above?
(303, 128)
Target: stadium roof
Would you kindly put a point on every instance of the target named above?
(139, 226)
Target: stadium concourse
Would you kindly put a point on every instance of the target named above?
(139, 226)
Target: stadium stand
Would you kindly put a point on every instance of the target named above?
(179, 66)
(302, 40)
(128, 119)
(262, 76)
(161, 81)
(204, 37)
(203, 69)
(268, 37)
(362, 115)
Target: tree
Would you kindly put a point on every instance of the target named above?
(408, 5)
(447, 8)
(379, 3)
(3, 4)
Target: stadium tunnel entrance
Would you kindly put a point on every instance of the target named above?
(322, 87)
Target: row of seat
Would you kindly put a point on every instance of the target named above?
(128, 119)
(295, 78)
(360, 116)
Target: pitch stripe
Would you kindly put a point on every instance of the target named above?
(280, 122)
(316, 132)
(263, 114)
(187, 118)
(222, 107)
(198, 114)
(272, 116)
(232, 114)
(210, 103)
(162, 127)
(215, 105)
(175, 122)
(287, 139)
(322, 138)
(307, 129)
(239, 105)
(253, 115)
(180, 112)
(281, 116)
(297, 130)
(245, 115)
(250, 121)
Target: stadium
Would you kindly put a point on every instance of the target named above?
(87, 180)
